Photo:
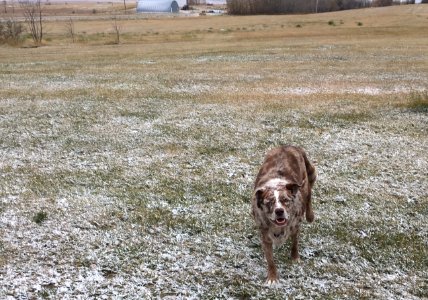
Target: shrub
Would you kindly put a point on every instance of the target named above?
(418, 102)
(10, 32)
(40, 217)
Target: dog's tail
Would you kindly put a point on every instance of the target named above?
(310, 170)
(312, 176)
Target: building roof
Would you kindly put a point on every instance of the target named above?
(167, 6)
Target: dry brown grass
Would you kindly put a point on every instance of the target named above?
(74, 9)
(382, 24)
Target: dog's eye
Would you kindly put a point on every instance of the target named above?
(269, 201)
(285, 200)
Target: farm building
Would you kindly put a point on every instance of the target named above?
(157, 6)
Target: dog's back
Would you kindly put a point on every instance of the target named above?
(288, 162)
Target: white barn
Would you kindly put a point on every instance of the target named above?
(157, 6)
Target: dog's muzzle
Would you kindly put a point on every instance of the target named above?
(280, 217)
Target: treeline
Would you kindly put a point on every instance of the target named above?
(252, 7)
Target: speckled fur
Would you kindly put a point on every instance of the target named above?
(282, 195)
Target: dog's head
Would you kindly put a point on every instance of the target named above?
(277, 201)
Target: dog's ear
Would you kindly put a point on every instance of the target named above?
(259, 197)
(294, 187)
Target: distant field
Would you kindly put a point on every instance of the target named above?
(126, 169)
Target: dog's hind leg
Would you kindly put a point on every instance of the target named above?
(308, 203)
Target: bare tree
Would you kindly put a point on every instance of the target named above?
(5, 6)
(69, 27)
(124, 4)
(33, 18)
(116, 30)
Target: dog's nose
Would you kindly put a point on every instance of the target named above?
(279, 212)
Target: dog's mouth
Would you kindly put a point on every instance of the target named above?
(280, 221)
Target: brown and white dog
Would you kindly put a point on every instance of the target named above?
(282, 195)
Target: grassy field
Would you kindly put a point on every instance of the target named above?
(126, 170)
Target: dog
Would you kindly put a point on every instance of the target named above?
(282, 196)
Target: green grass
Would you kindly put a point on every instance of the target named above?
(40, 217)
(382, 246)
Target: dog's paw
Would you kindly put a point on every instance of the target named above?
(271, 282)
(296, 260)
(310, 216)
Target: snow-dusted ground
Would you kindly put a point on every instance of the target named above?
(143, 169)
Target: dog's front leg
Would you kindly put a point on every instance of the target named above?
(295, 244)
(272, 276)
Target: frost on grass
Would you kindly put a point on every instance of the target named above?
(145, 184)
